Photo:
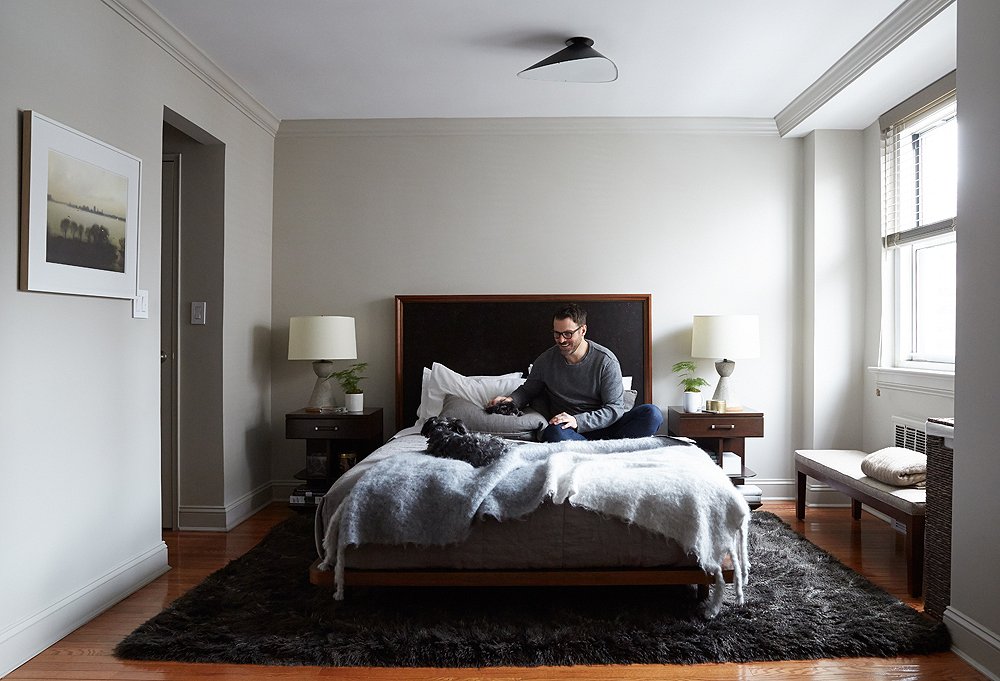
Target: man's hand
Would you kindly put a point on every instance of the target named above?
(498, 399)
(563, 419)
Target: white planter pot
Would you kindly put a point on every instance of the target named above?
(355, 402)
(692, 402)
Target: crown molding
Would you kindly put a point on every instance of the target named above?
(393, 127)
(150, 23)
(906, 20)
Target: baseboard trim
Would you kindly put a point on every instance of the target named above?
(282, 489)
(23, 640)
(973, 642)
(224, 518)
(821, 495)
(774, 489)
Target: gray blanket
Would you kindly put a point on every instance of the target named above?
(669, 488)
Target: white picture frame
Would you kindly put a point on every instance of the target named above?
(79, 212)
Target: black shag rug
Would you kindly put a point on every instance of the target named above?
(801, 603)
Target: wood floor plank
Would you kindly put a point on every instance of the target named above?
(870, 547)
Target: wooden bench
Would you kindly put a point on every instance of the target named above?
(841, 470)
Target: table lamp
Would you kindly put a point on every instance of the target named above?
(735, 336)
(322, 339)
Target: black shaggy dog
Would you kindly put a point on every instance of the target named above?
(504, 409)
(450, 438)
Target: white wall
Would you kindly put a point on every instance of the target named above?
(705, 222)
(833, 287)
(79, 401)
(974, 614)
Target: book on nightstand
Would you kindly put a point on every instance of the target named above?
(306, 496)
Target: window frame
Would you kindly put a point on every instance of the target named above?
(902, 239)
(904, 267)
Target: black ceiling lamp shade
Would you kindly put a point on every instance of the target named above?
(578, 62)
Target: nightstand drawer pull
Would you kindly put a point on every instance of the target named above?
(729, 426)
(326, 428)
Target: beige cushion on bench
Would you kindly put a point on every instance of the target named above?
(844, 466)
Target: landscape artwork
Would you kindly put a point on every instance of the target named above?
(80, 212)
(85, 224)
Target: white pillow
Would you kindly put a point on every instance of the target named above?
(626, 382)
(439, 381)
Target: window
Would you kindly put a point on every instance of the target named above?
(919, 193)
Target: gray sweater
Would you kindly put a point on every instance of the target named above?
(590, 390)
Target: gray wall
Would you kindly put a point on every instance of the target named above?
(974, 616)
(79, 400)
(707, 222)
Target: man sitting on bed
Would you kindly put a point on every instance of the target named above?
(577, 385)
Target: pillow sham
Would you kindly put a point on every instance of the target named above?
(440, 381)
(521, 427)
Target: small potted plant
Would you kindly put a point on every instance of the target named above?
(354, 398)
(691, 383)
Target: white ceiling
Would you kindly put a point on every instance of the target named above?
(320, 59)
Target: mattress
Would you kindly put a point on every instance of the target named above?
(553, 536)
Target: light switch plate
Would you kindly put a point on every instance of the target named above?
(198, 312)
(140, 305)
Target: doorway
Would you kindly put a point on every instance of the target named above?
(169, 226)
(191, 351)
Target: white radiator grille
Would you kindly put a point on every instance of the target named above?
(909, 434)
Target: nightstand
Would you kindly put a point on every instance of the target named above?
(328, 436)
(717, 433)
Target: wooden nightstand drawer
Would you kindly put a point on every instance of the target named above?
(327, 428)
(704, 425)
(333, 443)
(722, 426)
(717, 433)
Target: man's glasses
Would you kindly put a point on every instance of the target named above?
(566, 334)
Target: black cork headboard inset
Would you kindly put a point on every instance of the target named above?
(499, 334)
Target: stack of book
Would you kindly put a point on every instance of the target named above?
(305, 496)
(752, 494)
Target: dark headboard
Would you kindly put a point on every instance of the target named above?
(499, 334)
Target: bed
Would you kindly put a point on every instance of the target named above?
(450, 352)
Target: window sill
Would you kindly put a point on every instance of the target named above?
(937, 383)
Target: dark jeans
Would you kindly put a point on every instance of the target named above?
(641, 421)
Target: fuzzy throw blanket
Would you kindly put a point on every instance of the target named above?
(675, 491)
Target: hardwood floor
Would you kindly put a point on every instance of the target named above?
(874, 549)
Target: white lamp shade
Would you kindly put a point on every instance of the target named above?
(322, 337)
(733, 336)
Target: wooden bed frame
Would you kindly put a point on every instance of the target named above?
(494, 335)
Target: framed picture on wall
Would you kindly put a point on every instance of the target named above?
(79, 212)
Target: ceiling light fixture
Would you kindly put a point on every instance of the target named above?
(578, 62)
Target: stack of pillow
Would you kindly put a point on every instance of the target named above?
(449, 394)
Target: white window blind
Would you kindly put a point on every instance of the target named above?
(920, 165)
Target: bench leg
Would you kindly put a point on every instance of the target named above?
(855, 509)
(800, 495)
(914, 547)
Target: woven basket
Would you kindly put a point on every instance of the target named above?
(937, 532)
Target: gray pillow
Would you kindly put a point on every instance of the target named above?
(512, 427)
